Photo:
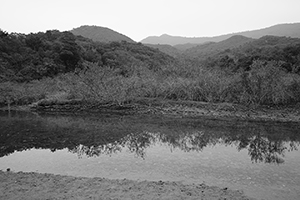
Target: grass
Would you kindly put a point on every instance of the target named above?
(264, 84)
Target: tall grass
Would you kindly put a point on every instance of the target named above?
(265, 84)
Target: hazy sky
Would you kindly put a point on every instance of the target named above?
(141, 18)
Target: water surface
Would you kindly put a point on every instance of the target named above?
(258, 157)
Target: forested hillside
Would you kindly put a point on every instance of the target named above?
(284, 50)
(34, 56)
(59, 65)
(168, 49)
(209, 48)
(239, 52)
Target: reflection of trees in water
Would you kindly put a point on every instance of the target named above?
(107, 149)
(264, 144)
(138, 143)
(135, 143)
(260, 149)
(186, 142)
(94, 137)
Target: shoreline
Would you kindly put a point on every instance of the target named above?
(168, 108)
(31, 185)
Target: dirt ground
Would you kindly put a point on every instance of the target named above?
(48, 186)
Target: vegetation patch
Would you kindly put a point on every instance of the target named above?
(71, 70)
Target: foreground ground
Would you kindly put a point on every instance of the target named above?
(47, 186)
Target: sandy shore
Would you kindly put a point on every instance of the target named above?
(47, 186)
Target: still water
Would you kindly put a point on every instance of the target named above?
(260, 158)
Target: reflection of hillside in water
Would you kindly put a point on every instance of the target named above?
(107, 134)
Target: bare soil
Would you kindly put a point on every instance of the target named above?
(48, 186)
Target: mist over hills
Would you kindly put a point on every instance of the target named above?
(288, 30)
(100, 34)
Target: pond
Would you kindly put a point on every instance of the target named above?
(260, 158)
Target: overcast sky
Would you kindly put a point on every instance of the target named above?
(141, 18)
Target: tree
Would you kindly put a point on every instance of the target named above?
(69, 53)
(3, 33)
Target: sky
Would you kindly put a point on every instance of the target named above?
(139, 19)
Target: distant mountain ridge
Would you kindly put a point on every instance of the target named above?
(195, 50)
(211, 47)
(100, 34)
(285, 50)
(167, 49)
(288, 30)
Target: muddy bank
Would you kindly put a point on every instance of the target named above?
(175, 108)
(46, 186)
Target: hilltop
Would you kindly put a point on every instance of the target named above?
(288, 30)
(100, 34)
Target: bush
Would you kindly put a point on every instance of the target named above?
(20, 94)
(267, 84)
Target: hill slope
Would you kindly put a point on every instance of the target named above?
(34, 56)
(214, 47)
(167, 49)
(288, 30)
(100, 34)
(283, 51)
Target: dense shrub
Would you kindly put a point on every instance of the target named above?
(266, 83)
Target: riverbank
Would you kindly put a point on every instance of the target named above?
(173, 108)
(48, 186)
